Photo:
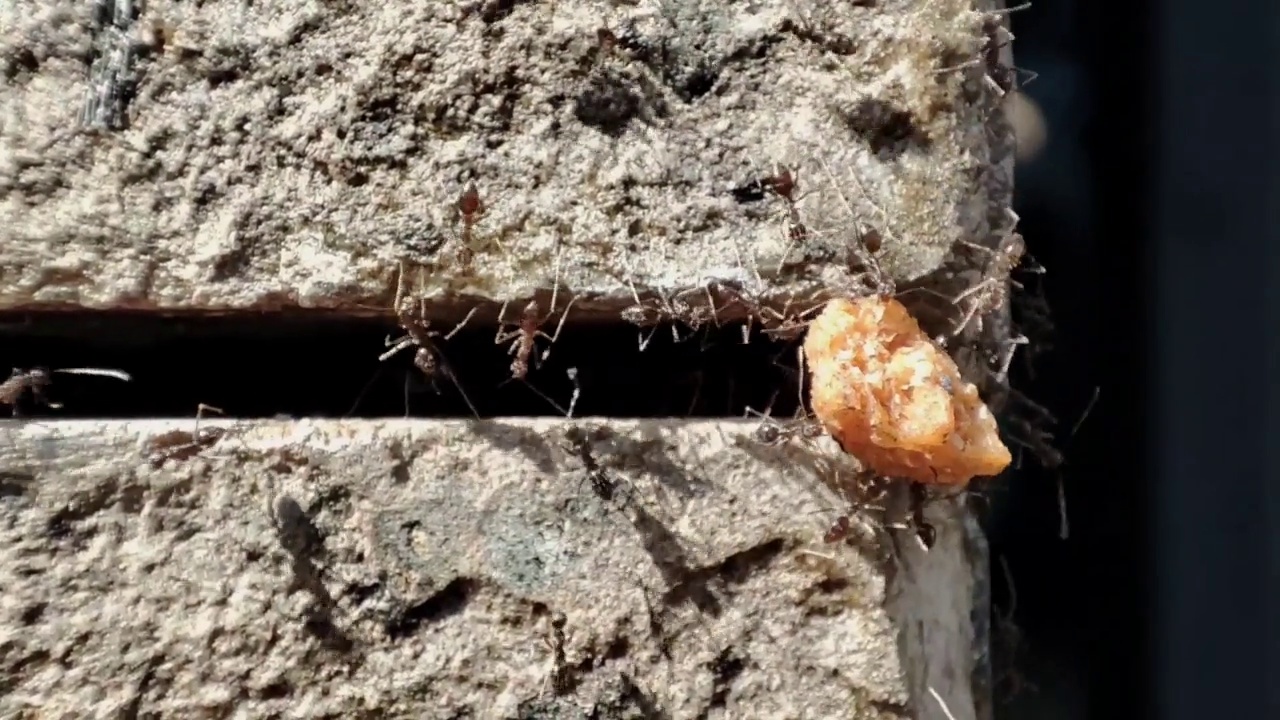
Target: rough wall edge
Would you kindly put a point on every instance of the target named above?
(922, 613)
(589, 306)
(1002, 147)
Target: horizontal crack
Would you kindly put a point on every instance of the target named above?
(270, 366)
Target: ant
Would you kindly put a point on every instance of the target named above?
(607, 41)
(526, 333)
(783, 184)
(839, 530)
(672, 309)
(470, 207)
(1004, 77)
(527, 330)
(35, 381)
(925, 532)
(770, 432)
(789, 325)
(991, 294)
(579, 443)
(418, 335)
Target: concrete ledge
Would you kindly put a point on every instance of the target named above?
(491, 569)
(225, 156)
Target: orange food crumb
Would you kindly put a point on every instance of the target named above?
(894, 399)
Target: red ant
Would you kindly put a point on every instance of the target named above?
(470, 207)
(526, 333)
(783, 184)
(839, 530)
(35, 381)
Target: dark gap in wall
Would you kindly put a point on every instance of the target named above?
(264, 367)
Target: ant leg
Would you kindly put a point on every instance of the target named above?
(502, 337)
(801, 370)
(395, 346)
(395, 304)
(711, 303)
(968, 318)
(644, 341)
(560, 326)
(555, 286)
(1011, 346)
(462, 324)
(975, 289)
(200, 411)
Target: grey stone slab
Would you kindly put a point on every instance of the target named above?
(488, 569)
(225, 155)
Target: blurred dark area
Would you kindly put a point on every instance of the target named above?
(1146, 190)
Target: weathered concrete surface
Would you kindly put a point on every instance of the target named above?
(428, 570)
(231, 156)
(292, 153)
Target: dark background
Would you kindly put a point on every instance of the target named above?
(1152, 205)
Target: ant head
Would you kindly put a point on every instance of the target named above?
(37, 377)
(813, 430)
(768, 434)
(606, 38)
(1014, 246)
(469, 202)
(783, 182)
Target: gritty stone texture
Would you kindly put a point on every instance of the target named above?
(224, 155)
(486, 569)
